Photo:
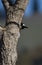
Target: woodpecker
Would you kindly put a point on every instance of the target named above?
(23, 26)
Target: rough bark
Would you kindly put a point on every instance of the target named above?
(12, 32)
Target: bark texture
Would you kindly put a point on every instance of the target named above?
(12, 33)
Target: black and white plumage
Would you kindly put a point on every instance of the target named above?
(23, 26)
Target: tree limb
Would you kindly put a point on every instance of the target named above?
(16, 12)
(6, 4)
(12, 32)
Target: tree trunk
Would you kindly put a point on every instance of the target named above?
(11, 35)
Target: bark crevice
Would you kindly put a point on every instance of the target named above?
(12, 32)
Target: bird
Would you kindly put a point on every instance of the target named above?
(23, 26)
(20, 26)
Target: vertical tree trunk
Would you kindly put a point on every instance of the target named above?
(11, 35)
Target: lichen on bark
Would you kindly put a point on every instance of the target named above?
(12, 32)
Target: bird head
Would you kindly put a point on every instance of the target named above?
(23, 26)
